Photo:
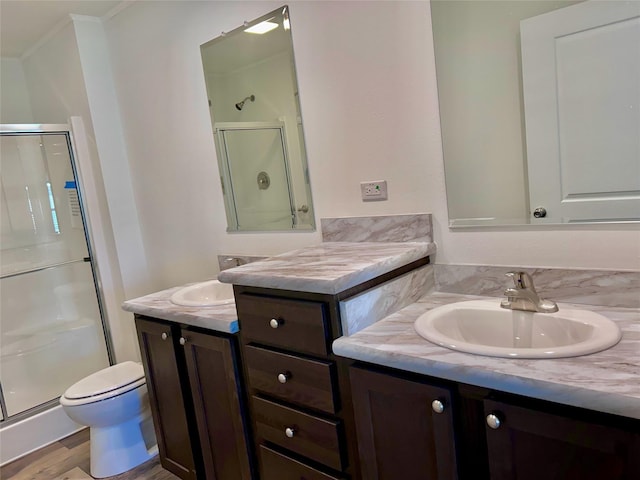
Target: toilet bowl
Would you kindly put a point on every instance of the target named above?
(114, 404)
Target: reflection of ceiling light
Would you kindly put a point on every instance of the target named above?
(262, 27)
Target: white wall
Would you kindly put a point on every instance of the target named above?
(15, 105)
(369, 102)
(56, 85)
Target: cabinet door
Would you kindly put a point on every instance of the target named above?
(533, 445)
(400, 435)
(277, 466)
(158, 350)
(216, 401)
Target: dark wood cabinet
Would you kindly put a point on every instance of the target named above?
(482, 434)
(196, 397)
(276, 466)
(165, 384)
(405, 428)
(299, 391)
(528, 444)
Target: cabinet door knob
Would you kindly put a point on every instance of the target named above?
(164, 335)
(283, 377)
(493, 421)
(183, 340)
(290, 432)
(437, 406)
(274, 323)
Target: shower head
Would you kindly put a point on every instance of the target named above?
(239, 105)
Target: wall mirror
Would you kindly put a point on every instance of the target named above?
(257, 126)
(540, 110)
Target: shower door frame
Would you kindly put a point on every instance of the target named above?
(219, 129)
(60, 129)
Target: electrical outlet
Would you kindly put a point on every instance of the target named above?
(373, 191)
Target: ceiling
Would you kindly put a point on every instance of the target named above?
(24, 22)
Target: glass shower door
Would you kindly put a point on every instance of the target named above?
(51, 329)
(255, 160)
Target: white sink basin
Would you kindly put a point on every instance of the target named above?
(484, 328)
(205, 294)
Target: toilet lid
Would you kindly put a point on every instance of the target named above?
(106, 380)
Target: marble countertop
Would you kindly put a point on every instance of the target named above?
(221, 318)
(607, 381)
(330, 267)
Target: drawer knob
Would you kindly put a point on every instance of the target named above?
(164, 335)
(289, 432)
(274, 323)
(493, 421)
(183, 341)
(437, 406)
(284, 377)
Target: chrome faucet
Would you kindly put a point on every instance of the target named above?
(235, 260)
(524, 296)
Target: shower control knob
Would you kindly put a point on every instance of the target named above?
(183, 341)
(164, 335)
(290, 432)
(284, 377)
(274, 323)
(540, 212)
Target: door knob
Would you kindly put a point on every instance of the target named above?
(540, 212)
(164, 335)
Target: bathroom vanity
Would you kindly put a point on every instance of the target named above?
(321, 375)
(287, 411)
(453, 415)
(289, 313)
(191, 361)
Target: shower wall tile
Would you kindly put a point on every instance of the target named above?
(368, 307)
(589, 287)
(384, 228)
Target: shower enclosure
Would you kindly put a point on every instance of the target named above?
(255, 175)
(52, 330)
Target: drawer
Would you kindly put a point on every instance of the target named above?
(313, 437)
(293, 324)
(276, 466)
(298, 380)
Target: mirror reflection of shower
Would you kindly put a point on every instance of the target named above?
(253, 136)
(240, 105)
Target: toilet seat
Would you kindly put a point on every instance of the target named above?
(106, 383)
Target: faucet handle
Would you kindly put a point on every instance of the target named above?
(521, 280)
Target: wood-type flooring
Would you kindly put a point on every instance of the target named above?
(68, 459)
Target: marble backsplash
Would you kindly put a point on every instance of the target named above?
(588, 287)
(366, 308)
(384, 228)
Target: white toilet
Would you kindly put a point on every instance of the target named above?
(114, 404)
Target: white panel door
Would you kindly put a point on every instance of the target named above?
(581, 86)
